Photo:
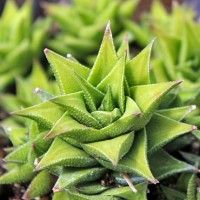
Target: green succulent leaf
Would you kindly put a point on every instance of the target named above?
(63, 154)
(20, 174)
(127, 193)
(71, 177)
(178, 113)
(110, 150)
(148, 97)
(162, 130)
(115, 79)
(137, 69)
(40, 185)
(135, 161)
(42, 113)
(64, 69)
(107, 57)
(164, 165)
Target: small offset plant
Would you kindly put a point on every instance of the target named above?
(82, 37)
(20, 40)
(104, 136)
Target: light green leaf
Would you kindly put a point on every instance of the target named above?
(135, 161)
(110, 150)
(63, 154)
(178, 113)
(40, 185)
(45, 114)
(19, 155)
(75, 105)
(115, 79)
(92, 95)
(137, 70)
(63, 70)
(127, 193)
(161, 130)
(107, 103)
(105, 60)
(20, 174)
(71, 177)
(148, 97)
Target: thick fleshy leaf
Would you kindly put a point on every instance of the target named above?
(75, 105)
(107, 103)
(127, 193)
(164, 165)
(137, 70)
(64, 154)
(40, 185)
(124, 124)
(148, 97)
(105, 60)
(124, 48)
(19, 155)
(135, 161)
(92, 188)
(73, 195)
(178, 113)
(115, 79)
(20, 174)
(161, 130)
(110, 150)
(45, 114)
(105, 117)
(63, 70)
(71, 177)
(92, 95)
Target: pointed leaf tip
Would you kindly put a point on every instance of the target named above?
(56, 189)
(108, 29)
(194, 128)
(46, 50)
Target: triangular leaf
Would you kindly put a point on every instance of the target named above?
(178, 113)
(20, 174)
(115, 79)
(161, 130)
(105, 60)
(110, 150)
(148, 97)
(135, 161)
(164, 165)
(71, 177)
(40, 185)
(61, 153)
(63, 70)
(137, 70)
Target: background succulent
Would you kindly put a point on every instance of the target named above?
(107, 129)
(21, 40)
(81, 39)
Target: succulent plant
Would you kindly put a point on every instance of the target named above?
(82, 37)
(21, 40)
(107, 129)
